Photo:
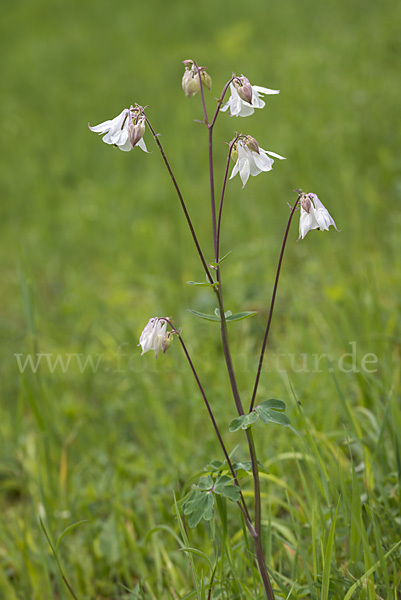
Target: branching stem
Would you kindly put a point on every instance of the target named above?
(256, 529)
(184, 208)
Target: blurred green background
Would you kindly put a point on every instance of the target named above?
(94, 244)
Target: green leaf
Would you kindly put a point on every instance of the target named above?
(268, 412)
(228, 315)
(216, 264)
(327, 558)
(204, 316)
(244, 421)
(216, 465)
(68, 530)
(246, 466)
(241, 315)
(205, 483)
(273, 403)
(224, 486)
(203, 283)
(242, 466)
(198, 506)
(198, 553)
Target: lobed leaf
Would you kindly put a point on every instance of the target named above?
(268, 412)
(224, 486)
(244, 421)
(198, 506)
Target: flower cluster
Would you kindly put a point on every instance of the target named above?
(124, 131)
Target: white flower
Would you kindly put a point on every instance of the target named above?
(250, 161)
(313, 215)
(245, 97)
(153, 336)
(123, 130)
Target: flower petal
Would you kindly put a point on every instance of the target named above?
(141, 144)
(127, 146)
(118, 137)
(321, 214)
(262, 161)
(263, 90)
(235, 169)
(246, 109)
(244, 170)
(275, 155)
(102, 127)
(305, 223)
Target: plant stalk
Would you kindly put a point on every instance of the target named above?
(241, 504)
(184, 208)
(269, 320)
(255, 530)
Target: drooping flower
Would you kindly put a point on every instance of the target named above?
(154, 336)
(245, 97)
(251, 159)
(124, 131)
(314, 215)
(190, 79)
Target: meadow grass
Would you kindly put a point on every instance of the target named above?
(93, 244)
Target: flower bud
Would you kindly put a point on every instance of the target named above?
(252, 144)
(191, 81)
(234, 152)
(206, 79)
(167, 341)
(243, 88)
(188, 63)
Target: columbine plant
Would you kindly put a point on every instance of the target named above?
(221, 480)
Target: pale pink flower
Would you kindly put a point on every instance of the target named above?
(251, 159)
(245, 97)
(124, 131)
(314, 215)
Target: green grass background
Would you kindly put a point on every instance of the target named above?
(93, 243)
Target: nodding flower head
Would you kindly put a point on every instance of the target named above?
(250, 158)
(245, 97)
(243, 88)
(136, 127)
(191, 81)
(124, 131)
(314, 215)
(156, 337)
